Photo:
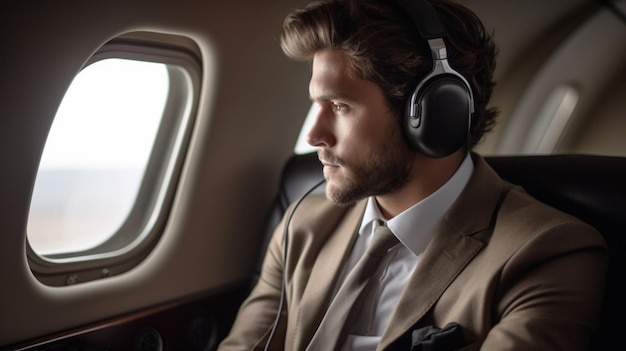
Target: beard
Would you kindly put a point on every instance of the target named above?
(385, 169)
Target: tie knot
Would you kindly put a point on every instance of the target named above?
(382, 241)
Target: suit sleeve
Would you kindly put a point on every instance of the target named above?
(257, 313)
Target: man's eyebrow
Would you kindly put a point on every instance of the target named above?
(329, 97)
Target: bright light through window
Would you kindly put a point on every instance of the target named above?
(302, 146)
(96, 153)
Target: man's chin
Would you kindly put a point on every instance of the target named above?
(340, 196)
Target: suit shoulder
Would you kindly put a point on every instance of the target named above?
(317, 214)
(521, 212)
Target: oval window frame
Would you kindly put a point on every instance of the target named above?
(142, 228)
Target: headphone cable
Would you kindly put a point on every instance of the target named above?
(281, 304)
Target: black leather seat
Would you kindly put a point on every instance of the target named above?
(592, 188)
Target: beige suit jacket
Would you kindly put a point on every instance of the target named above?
(514, 273)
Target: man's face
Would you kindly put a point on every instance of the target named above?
(360, 140)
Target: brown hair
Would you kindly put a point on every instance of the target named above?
(384, 46)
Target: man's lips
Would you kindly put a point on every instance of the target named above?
(329, 166)
(326, 159)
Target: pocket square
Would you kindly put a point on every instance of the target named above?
(431, 338)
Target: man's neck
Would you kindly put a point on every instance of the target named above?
(427, 175)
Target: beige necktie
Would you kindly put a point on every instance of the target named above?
(333, 329)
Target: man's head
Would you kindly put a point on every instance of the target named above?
(368, 57)
(385, 47)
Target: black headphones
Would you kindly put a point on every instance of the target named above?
(438, 113)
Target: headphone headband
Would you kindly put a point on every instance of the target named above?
(424, 17)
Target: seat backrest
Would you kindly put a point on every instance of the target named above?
(592, 188)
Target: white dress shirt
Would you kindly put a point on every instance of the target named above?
(414, 228)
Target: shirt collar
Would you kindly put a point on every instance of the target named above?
(416, 225)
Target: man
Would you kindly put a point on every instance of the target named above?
(478, 263)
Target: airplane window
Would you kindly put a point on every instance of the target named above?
(111, 163)
(552, 120)
(95, 155)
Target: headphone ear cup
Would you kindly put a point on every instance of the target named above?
(442, 116)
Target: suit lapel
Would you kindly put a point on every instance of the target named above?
(444, 258)
(452, 247)
(324, 274)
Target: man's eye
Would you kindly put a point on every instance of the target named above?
(339, 107)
